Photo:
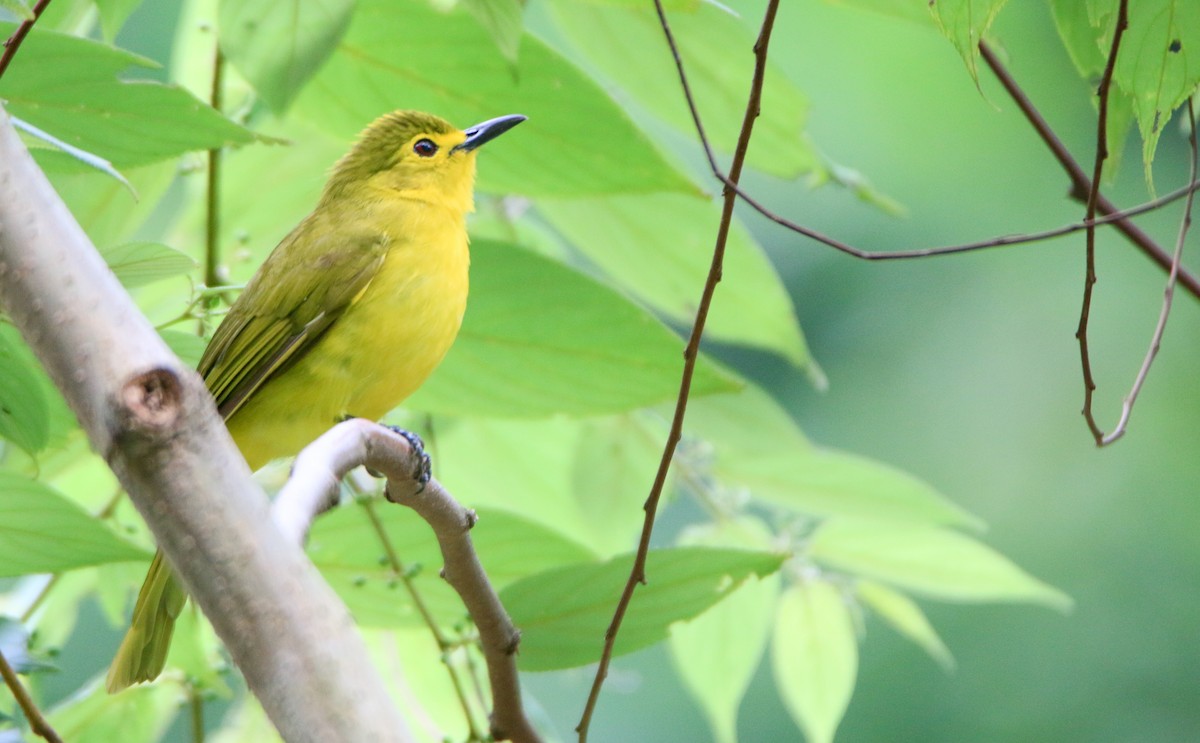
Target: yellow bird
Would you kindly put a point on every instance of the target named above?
(348, 316)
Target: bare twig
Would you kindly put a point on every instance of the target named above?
(14, 42)
(313, 487)
(691, 352)
(37, 723)
(212, 200)
(1089, 281)
(1081, 186)
(1185, 224)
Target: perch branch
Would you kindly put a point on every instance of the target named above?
(313, 487)
(691, 352)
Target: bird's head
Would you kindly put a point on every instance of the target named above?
(418, 156)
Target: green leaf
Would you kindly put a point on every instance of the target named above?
(554, 472)
(717, 653)
(141, 263)
(104, 207)
(659, 247)
(113, 14)
(759, 447)
(1158, 64)
(577, 140)
(540, 338)
(815, 657)
(964, 22)
(24, 409)
(43, 532)
(504, 20)
(140, 712)
(1083, 34)
(279, 46)
(934, 562)
(353, 559)
(563, 613)
(66, 155)
(903, 614)
(189, 347)
(68, 86)
(627, 44)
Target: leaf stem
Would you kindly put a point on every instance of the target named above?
(14, 42)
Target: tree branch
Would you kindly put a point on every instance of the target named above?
(155, 423)
(692, 350)
(1093, 197)
(37, 723)
(313, 487)
(1185, 225)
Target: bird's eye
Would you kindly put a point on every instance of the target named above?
(425, 148)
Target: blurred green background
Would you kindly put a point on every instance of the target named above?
(963, 371)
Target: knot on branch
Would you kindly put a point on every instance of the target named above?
(148, 408)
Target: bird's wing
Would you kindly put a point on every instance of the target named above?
(303, 287)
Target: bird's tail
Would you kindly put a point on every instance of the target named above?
(143, 652)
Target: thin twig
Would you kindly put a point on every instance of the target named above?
(638, 573)
(37, 723)
(1168, 296)
(1089, 282)
(196, 703)
(14, 42)
(444, 644)
(1080, 184)
(212, 202)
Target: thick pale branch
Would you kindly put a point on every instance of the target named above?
(156, 425)
(313, 488)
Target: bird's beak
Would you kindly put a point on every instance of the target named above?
(487, 131)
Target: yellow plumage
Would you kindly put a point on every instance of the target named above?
(348, 316)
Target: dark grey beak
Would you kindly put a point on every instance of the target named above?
(481, 134)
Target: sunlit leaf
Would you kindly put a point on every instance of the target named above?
(43, 532)
(628, 45)
(563, 612)
(815, 657)
(540, 338)
(279, 46)
(1159, 64)
(61, 149)
(577, 140)
(659, 247)
(964, 23)
(717, 653)
(903, 614)
(69, 87)
(934, 562)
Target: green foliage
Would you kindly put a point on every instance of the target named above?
(592, 246)
(563, 611)
(42, 532)
(278, 46)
